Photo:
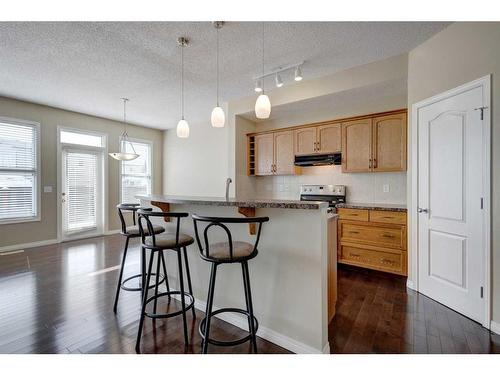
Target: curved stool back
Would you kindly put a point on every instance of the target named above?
(220, 222)
(127, 207)
(144, 218)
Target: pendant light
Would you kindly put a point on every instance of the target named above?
(182, 125)
(124, 140)
(218, 117)
(263, 104)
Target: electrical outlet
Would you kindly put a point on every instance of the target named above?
(386, 188)
(287, 187)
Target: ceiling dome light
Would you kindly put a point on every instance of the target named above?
(258, 85)
(263, 107)
(298, 74)
(263, 104)
(218, 117)
(279, 81)
(182, 129)
(124, 156)
(182, 125)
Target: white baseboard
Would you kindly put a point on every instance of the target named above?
(53, 241)
(409, 284)
(495, 327)
(28, 245)
(264, 332)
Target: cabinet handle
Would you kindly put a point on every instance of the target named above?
(354, 214)
(374, 163)
(387, 235)
(354, 255)
(370, 164)
(353, 232)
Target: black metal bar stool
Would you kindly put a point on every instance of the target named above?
(177, 242)
(228, 252)
(133, 232)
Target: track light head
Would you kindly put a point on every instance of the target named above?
(298, 73)
(279, 81)
(258, 85)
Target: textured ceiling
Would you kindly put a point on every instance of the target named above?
(87, 67)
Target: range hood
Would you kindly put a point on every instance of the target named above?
(315, 159)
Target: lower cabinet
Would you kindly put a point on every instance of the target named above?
(373, 239)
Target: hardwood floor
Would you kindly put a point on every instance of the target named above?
(376, 313)
(59, 299)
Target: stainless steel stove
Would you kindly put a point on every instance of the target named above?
(332, 194)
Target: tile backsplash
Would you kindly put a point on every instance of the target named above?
(361, 187)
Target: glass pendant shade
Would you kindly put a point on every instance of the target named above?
(123, 156)
(182, 129)
(262, 107)
(218, 118)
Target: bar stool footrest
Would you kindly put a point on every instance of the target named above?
(138, 288)
(171, 314)
(201, 328)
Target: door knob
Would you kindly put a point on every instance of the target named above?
(423, 210)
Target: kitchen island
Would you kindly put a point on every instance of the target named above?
(293, 278)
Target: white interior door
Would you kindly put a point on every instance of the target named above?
(451, 228)
(82, 195)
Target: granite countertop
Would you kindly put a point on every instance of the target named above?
(236, 202)
(375, 206)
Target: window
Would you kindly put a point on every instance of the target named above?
(78, 138)
(19, 143)
(136, 174)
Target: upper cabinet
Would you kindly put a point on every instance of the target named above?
(389, 143)
(371, 143)
(375, 144)
(321, 139)
(329, 138)
(274, 154)
(357, 146)
(264, 154)
(305, 141)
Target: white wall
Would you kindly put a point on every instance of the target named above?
(461, 53)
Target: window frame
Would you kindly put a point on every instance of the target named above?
(37, 185)
(151, 165)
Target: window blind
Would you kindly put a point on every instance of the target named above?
(136, 174)
(18, 171)
(81, 190)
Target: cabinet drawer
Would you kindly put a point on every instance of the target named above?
(352, 214)
(375, 259)
(388, 217)
(392, 236)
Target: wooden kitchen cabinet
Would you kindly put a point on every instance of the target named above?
(264, 154)
(323, 139)
(375, 144)
(283, 153)
(373, 239)
(274, 154)
(389, 143)
(329, 138)
(357, 146)
(305, 141)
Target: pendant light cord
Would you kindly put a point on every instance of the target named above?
(125, 135)
(263, 78)
(217, 63)
(182, 82)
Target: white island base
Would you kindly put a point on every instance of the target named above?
(289, 276)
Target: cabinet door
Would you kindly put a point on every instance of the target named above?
(305, 141)
(357, 146)
(329, 138)
(389, 143)
(264, 154)
(283, 153)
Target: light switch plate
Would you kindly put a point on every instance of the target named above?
(386, 188)
(47, 189)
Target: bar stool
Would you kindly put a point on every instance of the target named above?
(133, 232)
(228, 252)
(177, 242)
